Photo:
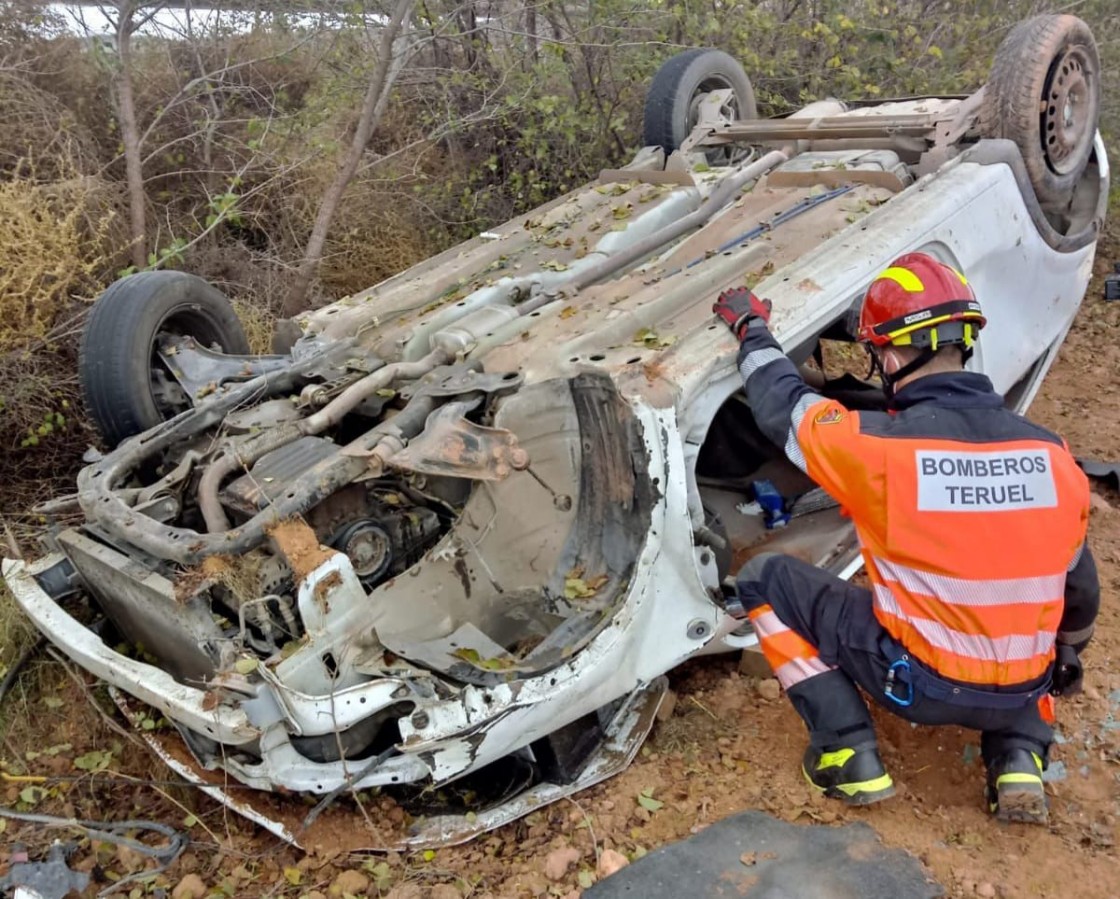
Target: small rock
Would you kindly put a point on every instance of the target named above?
(610, 862)
(405, 891)
(445, 891)
(769, 689)
(986, 891)
(641, 814)
(574, 894)
(190, 887)
(557, 862)
(1056, 772)
(668, 704)
(1092, 694)
(314, 894)
(353, 882)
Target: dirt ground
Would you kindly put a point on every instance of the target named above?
(731, 743)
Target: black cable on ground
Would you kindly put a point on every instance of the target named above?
(107, 832)
(102, 831)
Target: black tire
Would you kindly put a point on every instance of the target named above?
(115, 363)
(670, 112)
(1044, 93)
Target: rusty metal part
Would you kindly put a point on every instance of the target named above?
(842, 127)
(243, 456)
(366, 453)
(352, 396)
(453, 446)
(200, 371)
(273, 472)
(458, 380)
(186, 546)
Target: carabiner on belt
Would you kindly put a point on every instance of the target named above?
(894, 681)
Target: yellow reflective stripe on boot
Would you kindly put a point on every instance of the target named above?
(882, 782)
(837, 759)
(866, 786)
(1021, 777)
(1018, 779)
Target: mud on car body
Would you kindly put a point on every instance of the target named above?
(461, 530)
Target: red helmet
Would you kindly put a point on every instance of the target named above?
(920, 302)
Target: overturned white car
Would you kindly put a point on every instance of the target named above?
(461, 531)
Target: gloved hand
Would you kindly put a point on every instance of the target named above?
(738, 306)
(1066, 680)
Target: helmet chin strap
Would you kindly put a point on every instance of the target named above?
(890, 381)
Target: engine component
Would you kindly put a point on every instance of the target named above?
(369, 547)
(390, 535)
(273, 473)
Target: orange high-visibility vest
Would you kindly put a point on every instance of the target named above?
(967, 539)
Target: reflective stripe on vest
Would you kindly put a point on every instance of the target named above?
(961, 592)
(792, 658)
(973, 655)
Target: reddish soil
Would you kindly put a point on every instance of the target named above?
(297, 541)
(728, 745)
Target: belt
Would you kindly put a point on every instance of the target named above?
(907, 678)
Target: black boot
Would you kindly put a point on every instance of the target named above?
(1015, 790)
(855, 776)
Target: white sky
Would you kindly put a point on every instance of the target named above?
(83, 19)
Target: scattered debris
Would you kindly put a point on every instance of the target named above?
(50, 879)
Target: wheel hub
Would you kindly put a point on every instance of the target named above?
(1066, 111)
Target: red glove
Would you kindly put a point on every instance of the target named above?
(738, 306)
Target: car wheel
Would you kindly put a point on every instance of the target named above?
(125, 386)
(1044, 93)
(681, 84)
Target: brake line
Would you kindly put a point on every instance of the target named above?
(802, 206)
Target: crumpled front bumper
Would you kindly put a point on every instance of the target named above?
(177, 701)
(280, 765)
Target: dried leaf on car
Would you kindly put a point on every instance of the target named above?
(650, 338)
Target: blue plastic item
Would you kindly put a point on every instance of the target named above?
(772, 503)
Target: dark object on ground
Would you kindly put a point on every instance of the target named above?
(1109, 472)
(757, 856)
(51, 879)
(1112, 283)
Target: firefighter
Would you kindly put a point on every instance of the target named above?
(972, 526)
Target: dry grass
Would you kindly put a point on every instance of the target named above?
(56, 243)
(41, 138)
